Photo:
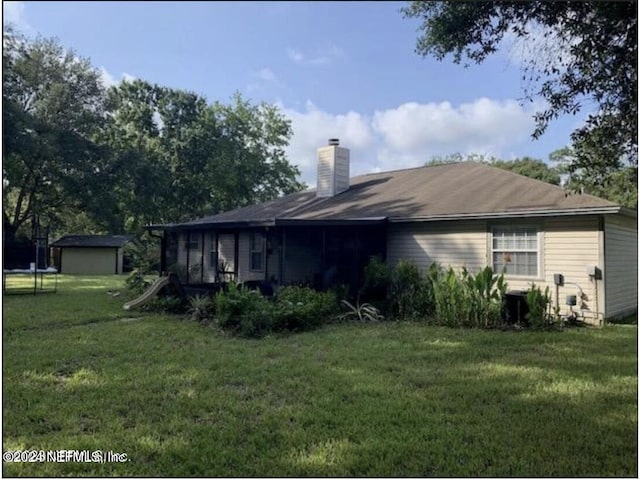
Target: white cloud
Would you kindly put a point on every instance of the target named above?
(408, 135)
(266, 74)
(108, 79)
(322, 56)
(13, 12)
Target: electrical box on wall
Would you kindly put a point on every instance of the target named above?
(594, 272)
(558, 279)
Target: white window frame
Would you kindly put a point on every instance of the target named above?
(538, 250)
(257, 245)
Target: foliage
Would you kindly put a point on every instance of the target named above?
(165, 304)
(86, 159)
(361, 312)
(200, 308)
(242, 311)
(187, 401)
(53, 103)
(136, 283)
(467, 300)
(410, 294)
(377, 279)
(538, 302)
(299, 308)
(144, 253)
(248, 313)
(525, 166)
(617, 183)
(586, 54)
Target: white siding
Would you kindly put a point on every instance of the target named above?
(244, 259)
(455, 244)
(570, 245)
(621, 265)
(567, 246)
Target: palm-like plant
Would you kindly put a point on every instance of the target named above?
(361, 312)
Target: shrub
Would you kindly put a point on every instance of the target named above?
(299, 307)
(468, 300)
(411, 295)
(165, 304)
(377, 280)
(200, 308)
(242, 311)
(538, 303)
(361, 312)
(135, 283)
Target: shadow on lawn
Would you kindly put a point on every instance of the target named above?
(381, 400)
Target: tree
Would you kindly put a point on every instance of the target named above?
(588, 56)
(186, 158)
(525, 166)
(530, 167)
(53, 102)
(619, 185)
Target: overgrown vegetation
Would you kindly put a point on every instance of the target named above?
(295, 308)
(352, 399)
(538, 303)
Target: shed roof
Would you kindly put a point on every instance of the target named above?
(438, 192)
(92, 241)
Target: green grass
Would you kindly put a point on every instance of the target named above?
(384, 399)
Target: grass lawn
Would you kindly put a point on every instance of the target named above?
(385, 399)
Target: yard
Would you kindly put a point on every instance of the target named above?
(384, 399)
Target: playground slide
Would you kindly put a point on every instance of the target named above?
(149, 293)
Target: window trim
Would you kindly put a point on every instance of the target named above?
(261, 250)
(539, 250)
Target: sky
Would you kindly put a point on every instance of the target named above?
(344, 70)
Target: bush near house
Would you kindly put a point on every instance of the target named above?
(295, 308)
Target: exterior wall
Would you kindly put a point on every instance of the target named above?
(621, 265)
(244, 265)
(455, 244)
(567, 245)
(90, 261)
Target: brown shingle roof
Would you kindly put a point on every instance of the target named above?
(442, 191)
(92, 241)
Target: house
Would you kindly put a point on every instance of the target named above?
(463, 215)
(90, 254)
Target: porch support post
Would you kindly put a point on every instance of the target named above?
(266, 253)
(357, 256)
(283, 249)
(188, 241)
(236, 256)
(202, 261)
(217, 270)
(163, 253)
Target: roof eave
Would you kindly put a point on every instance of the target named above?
(528, 213)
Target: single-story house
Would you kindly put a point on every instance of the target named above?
(463, 215)
(90, 254)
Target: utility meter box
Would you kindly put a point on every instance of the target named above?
(572, 300)
(558, 279)
(594, 272)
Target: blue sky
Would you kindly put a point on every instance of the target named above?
(343, 69)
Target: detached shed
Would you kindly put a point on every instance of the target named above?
(90, 254)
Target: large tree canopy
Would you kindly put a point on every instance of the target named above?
(588, 56)
(86, 159)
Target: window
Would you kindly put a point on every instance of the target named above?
(256, 252)
(516, 250)
(192, 242)
(213, 252)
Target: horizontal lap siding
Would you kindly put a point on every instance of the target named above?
(621, 265)
(570, 245)
(455, 244)
(88, 260)
(244, 258)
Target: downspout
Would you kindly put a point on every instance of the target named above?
(236, 256)
(266, 254)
